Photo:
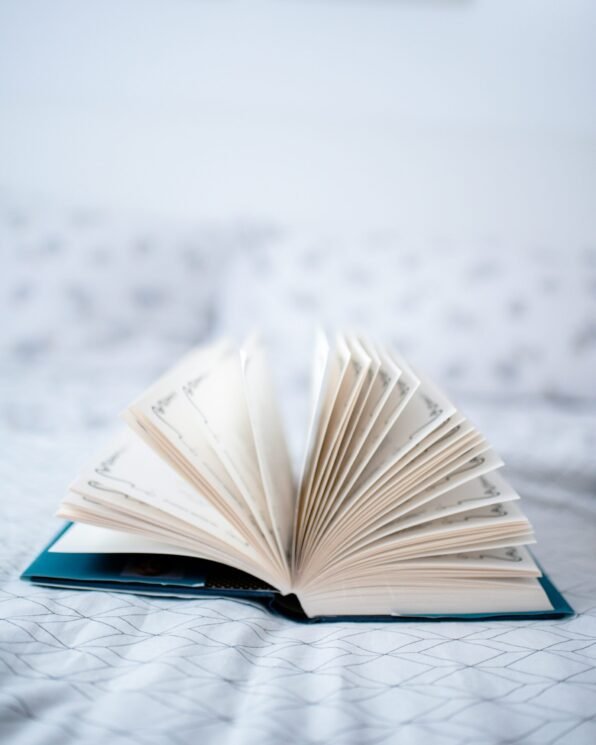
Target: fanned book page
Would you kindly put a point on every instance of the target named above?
(400, 509)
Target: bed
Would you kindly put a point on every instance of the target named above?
(93, 308)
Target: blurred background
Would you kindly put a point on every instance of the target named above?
(455, 115)
(171, 170)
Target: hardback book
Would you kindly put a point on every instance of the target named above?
(399, 512)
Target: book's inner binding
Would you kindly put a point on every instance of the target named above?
(399, 508)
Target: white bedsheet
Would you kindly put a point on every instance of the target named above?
(95, 668)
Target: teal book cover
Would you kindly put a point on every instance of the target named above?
(182, 577)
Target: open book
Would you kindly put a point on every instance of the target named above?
(399, 511)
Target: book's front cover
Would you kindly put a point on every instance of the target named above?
(154, 574)
(186, 577)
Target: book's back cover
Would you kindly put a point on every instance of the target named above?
(186, 577)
